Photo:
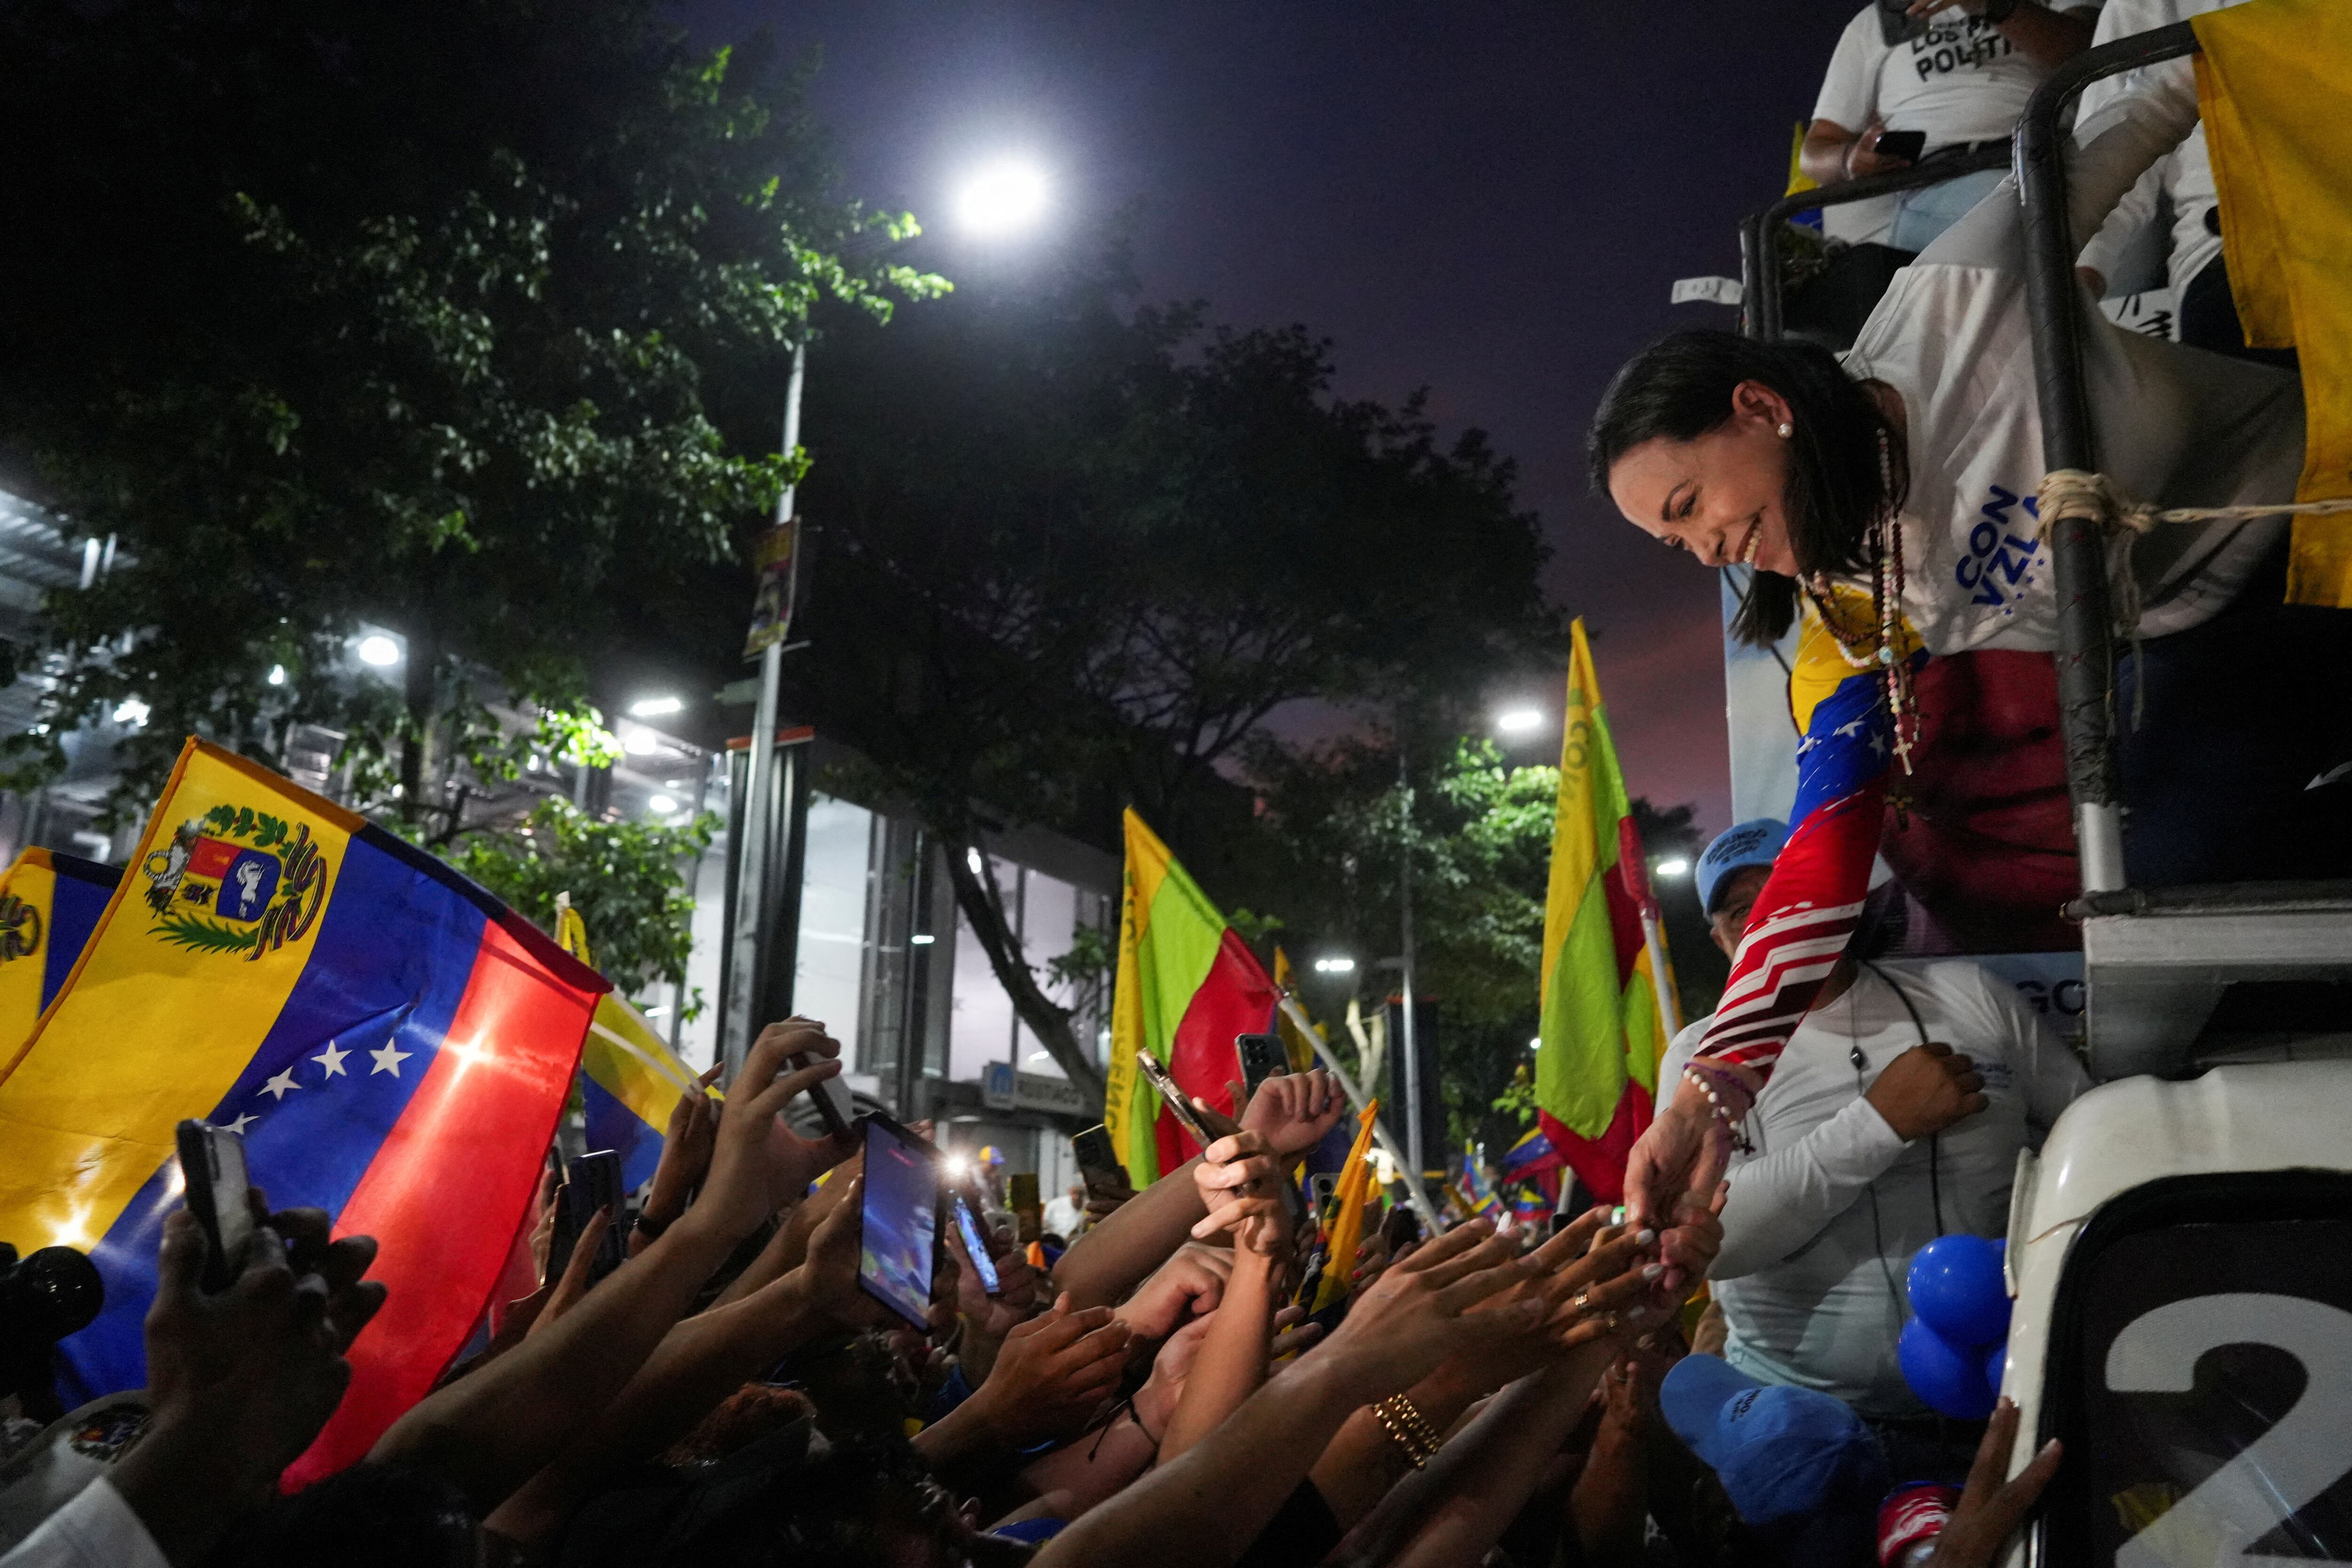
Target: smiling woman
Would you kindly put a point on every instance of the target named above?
(1743, 453)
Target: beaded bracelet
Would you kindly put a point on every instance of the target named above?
(1406, 1428)
(1721, 1105)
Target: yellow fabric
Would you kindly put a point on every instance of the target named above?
(1129, 1107)
(623, 1053)
(2273, 78)
(1348, 1199)
(1821, 663)
(26, 900)
(1295, 1043)
(1798, 179)
(157, 1019)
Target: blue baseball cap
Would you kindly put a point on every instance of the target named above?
(1757, 841)
(1788, 1457)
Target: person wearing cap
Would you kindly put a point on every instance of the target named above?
(1893, 1117)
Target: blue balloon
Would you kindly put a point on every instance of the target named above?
(1949, 1377)
(1956, 1285)
(1996, 1362)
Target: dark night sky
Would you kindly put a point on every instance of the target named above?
(1490, 198)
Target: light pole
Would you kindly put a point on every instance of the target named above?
(1413, 1151)
(751, 864)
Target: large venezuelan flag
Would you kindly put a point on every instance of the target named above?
(50, 903)
(630, 1080)
(1597, 1065)
(1186, 985)
(393, 1042)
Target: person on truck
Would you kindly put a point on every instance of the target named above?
(1950, 81)
(1893, 1117)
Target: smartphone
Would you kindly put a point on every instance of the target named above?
(1320, 1188)
(900, 1217)
(977, 1245)
(1905, 144)
(212, 1170)
(1897, 25)
(1402, 1228)
(590, 1183)
(832, 1096)
(1021, 1195)
(1099, 1165)
(1262, 1057)
(1178, 1105)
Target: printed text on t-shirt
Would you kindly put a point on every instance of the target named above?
(1968, 46)
(2001, 564)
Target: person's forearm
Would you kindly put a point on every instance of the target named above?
(1107, 1262)
(1822, 157)
(1204, 1509)
(1451, 1513)
(188, 1485)
(1363, 1461)
(698, 1364)
(1783, 1201)
(2049, 39)
(1096, 1465)
(1231, 1361)
(784, 1252)
(490, 1432)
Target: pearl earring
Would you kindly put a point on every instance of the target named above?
(1787, 429)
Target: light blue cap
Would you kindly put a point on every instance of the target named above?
(1754, 843)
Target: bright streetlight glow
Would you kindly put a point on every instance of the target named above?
(1675, 867)
(1535, 1044)
(379, 650)
(1335, 966)
(654, 707)
(1004, 197)
(641, 743)
(130, 711)
(922, 939)
(662, 805)
(277, 674)
(1519, 720)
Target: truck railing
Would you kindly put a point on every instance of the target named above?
(1760, 234)
(2157, 962)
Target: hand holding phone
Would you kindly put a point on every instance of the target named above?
(975, 1247)
(592, 1182)
(1099, 1165)
(212, 1171)
(1262, 1057)
(1179, 1104)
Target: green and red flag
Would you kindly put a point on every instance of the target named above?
(1187, 984)
(1602, 1033)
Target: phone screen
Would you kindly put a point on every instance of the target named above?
(901, 1221)
(977, 1246)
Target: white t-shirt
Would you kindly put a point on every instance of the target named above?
(2185, 174)
(1960, 81)
(2173, 425)
(1825, 1216)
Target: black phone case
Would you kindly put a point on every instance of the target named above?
(592, 1182)
(197, 1177)
(1262, 1057)
(1098, 1163)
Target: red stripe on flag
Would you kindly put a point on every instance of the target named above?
(449, 1185)
(1625, 923)
(1234, 998)
(1600, 1162)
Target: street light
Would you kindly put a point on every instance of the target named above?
(379, 650)
(654, 707)
(1335, 966)
(1006, 196)
(1519, 720)
(1675, 867)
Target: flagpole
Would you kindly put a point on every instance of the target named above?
(1347, 1086)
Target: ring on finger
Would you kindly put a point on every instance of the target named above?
(1581, 1303)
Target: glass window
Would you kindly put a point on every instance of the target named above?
(828, 964)
(979, 1029)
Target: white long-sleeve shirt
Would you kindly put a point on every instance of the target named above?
(1825, 1216)
(2184, 175)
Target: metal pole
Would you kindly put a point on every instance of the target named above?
(1404, 920)
(1356, 1097)
(2078, 547)
(755, 819)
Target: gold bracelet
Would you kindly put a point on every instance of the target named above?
(1406, 1428)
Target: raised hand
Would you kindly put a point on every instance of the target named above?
(685, 1157)
(758, 1164)
(1156, 1401)
(1187, 1287)
(1052, 1373)
(1419, 1312)
(1990, 1508)
(1295, 1109)
(1232, 1176)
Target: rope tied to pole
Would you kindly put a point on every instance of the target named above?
(2093, 497)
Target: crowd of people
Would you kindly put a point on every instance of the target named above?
(731, 1394)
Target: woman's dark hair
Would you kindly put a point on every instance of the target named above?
(1680, 388)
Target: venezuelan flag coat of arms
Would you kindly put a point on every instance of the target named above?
(393, 1044)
